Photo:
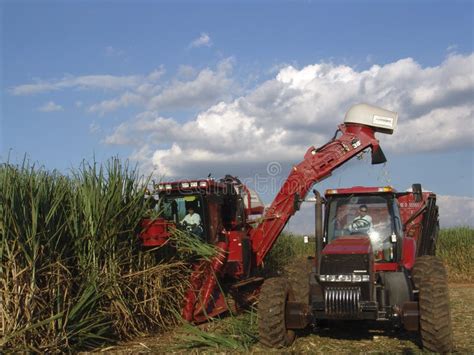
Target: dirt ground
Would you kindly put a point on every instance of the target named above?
(349, 337)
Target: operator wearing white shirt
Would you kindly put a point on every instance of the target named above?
(192, 218)
(192, 222)
(365, 223)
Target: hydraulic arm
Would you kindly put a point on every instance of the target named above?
(318, 164)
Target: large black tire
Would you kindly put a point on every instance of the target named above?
(425, 266)
(435, 316)
(298, 274)
(430, 278)
(272, 330)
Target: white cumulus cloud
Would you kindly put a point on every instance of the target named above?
(200, 92)
(88, 82)
(126, 99)
(50, 107)
(111, 51)
(281, 117)
(202, 41)
(208, 87)
(456, 211)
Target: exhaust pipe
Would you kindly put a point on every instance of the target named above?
(318, 227)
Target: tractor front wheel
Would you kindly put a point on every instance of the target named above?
(272, 329)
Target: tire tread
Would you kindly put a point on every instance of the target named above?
(271, 313)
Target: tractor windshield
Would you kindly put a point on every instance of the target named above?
(175, 208)
(369, 215)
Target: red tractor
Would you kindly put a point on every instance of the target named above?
(374, 261)
(226, 209)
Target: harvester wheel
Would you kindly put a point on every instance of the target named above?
(426, 266)
(298, 275)
(272, 330)
(435, 317)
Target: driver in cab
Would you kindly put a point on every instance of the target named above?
(362, 221)
(192, 222)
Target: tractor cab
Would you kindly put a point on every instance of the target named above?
(362, 212)
(203, 208)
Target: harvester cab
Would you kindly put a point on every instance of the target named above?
(204, 208)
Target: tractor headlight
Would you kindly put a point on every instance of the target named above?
(344, 278)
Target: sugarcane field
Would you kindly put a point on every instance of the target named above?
(283, 177)
(91, 286)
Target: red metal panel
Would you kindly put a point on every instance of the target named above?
(154, 232)
(386, 267)
(348, 245)
(408, 208)
(215, 221)
(235, 245)
(409, 252)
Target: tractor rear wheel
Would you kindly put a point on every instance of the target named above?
(435, 318)
(272, 329)
(426, 266)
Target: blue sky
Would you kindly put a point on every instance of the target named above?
(189, 88)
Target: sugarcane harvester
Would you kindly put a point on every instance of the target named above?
(226, 208)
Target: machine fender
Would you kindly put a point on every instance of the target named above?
(397, 287)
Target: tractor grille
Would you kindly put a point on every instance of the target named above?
(335, 264)
(342, 301)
